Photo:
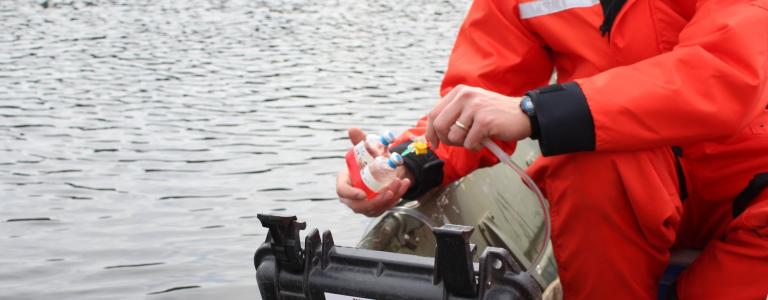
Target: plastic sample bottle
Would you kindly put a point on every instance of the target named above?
(379, 143)
(361, 154)
(377, 175)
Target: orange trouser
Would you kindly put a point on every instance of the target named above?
(616, 215)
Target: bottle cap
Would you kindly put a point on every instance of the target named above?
(387, 137)
(395, 160)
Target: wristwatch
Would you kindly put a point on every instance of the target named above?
(526, 105)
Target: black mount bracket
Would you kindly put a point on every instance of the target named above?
(285, 271)
(284, 239)
(453, 259)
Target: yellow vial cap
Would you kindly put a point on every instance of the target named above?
(420, 148)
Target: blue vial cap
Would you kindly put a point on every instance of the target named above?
(387, 137)
(395, 160)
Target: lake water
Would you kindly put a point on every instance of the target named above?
(139, 139)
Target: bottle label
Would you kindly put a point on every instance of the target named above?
(361, 155)
(369, 181)
(354, 162)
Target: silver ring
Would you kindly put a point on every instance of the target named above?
(460, 125)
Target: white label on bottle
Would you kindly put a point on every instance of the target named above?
(331, 296)
(369, 181)
(361, 155)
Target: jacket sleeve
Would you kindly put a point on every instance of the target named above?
(494, 51)
(709, 87)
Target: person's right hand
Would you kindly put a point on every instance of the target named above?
(466, 116)
(356, 199)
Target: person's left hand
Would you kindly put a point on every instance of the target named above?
(387, 197)
(483, 113)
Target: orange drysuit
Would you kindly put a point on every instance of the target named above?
(662, 73)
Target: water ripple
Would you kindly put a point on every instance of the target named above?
(134, 265)
(175, 289)
(29, 219)
(154, 131)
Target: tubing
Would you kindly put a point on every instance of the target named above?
(507, 160)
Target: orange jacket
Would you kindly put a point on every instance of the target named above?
(669, 72)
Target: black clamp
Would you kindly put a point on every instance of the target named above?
(284, 239)
(453, 260)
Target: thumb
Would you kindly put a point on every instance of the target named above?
(355, 135)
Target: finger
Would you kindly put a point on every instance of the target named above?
(397, 194)
(457, 134)
(477, 133)
(387, 197)
(447, 118)
(355, 135)
(378, 212)
(345, 189)
(392, 188)
(353, 205)
(350, 192)
(380, 198)
(369, 209)
(445, 100)
(452, 108)
(404, 186)
(430, 134)
(376, 200)
(385, 202)
(375, 152)
(366, 207)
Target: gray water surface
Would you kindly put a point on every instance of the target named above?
(139, 139)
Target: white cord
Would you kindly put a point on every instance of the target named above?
(507, 160)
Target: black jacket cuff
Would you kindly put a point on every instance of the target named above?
(427, 171)
(564, 119)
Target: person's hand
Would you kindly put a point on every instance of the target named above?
(356, 199)
(482, 113)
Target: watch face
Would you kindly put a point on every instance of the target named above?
(526, 105)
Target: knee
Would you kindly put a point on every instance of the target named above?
(589, 177)
(608, 184)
